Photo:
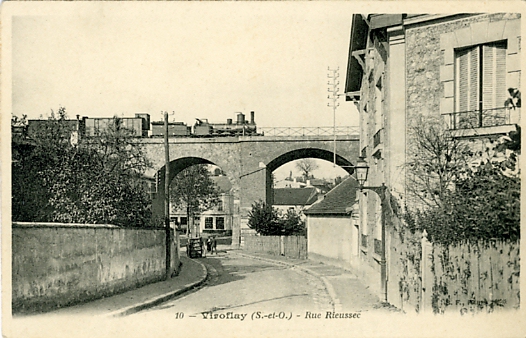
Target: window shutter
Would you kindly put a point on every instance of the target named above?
(467, 79)
(494, 75)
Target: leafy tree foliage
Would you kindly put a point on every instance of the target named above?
(194, 190)
(92, 180)
(267, 221)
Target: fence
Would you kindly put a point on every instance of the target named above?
(288, 246)
(473, 277)
(309, 131)
(466, 277)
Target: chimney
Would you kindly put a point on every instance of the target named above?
(252, 118)
(240, 118)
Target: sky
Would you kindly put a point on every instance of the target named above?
(198, 60)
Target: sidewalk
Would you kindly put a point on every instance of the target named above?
(347, 292)
(193, 273)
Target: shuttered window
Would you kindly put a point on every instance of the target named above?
(481, 77)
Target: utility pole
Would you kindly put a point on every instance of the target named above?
(333, 89)
(167, 198)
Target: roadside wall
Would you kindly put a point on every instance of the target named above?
(56, 265)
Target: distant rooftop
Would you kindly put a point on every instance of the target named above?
(338, 200)
(294, 196)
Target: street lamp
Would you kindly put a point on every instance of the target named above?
(362, 170)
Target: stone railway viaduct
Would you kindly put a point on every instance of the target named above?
(248, 162)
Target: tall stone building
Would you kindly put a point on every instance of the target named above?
(406, 67)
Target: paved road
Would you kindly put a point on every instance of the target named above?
(239, 287)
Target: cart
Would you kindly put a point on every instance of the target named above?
(195, 247)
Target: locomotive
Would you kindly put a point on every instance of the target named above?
(241, 127)
(203, 128)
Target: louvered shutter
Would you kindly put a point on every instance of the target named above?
(468, 79)
(494, 75)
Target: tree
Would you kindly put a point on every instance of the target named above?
(194, 190)
(467, 194)
(267, 221)
(97, 180)
(437, 160)
(264, 219)
(306, 166)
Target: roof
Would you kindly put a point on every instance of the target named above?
(359, 31)
(337, 201)
(294, 196)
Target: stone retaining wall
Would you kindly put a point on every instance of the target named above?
(56, 265)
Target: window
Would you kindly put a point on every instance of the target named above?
(480, 84)
(209, 222)
(220, 206)
(220, 223)
(184, 221)
(378, 114)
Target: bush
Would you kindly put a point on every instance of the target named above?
(267, 221)
(484, 206)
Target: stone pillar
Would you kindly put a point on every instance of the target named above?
(395, 153)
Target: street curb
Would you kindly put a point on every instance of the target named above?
(162, 298)
(336, 303)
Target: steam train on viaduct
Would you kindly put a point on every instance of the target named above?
(141, 126)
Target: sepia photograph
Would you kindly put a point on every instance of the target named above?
(261, 169)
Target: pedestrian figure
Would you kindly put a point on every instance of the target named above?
(211, 245)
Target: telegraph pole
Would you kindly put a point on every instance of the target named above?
(333, 89)
(167, 198)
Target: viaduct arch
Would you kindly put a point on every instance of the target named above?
(248, 162)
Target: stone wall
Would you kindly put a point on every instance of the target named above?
(56, 265)
(425, 59)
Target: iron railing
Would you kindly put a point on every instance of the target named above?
(309, 131)
(479, 118)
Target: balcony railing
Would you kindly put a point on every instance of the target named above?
(482, 118)
(309, 131)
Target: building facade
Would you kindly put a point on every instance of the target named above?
(217, 220)
(457, 69)
(332, 226)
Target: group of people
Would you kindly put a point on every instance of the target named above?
(209, 245)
